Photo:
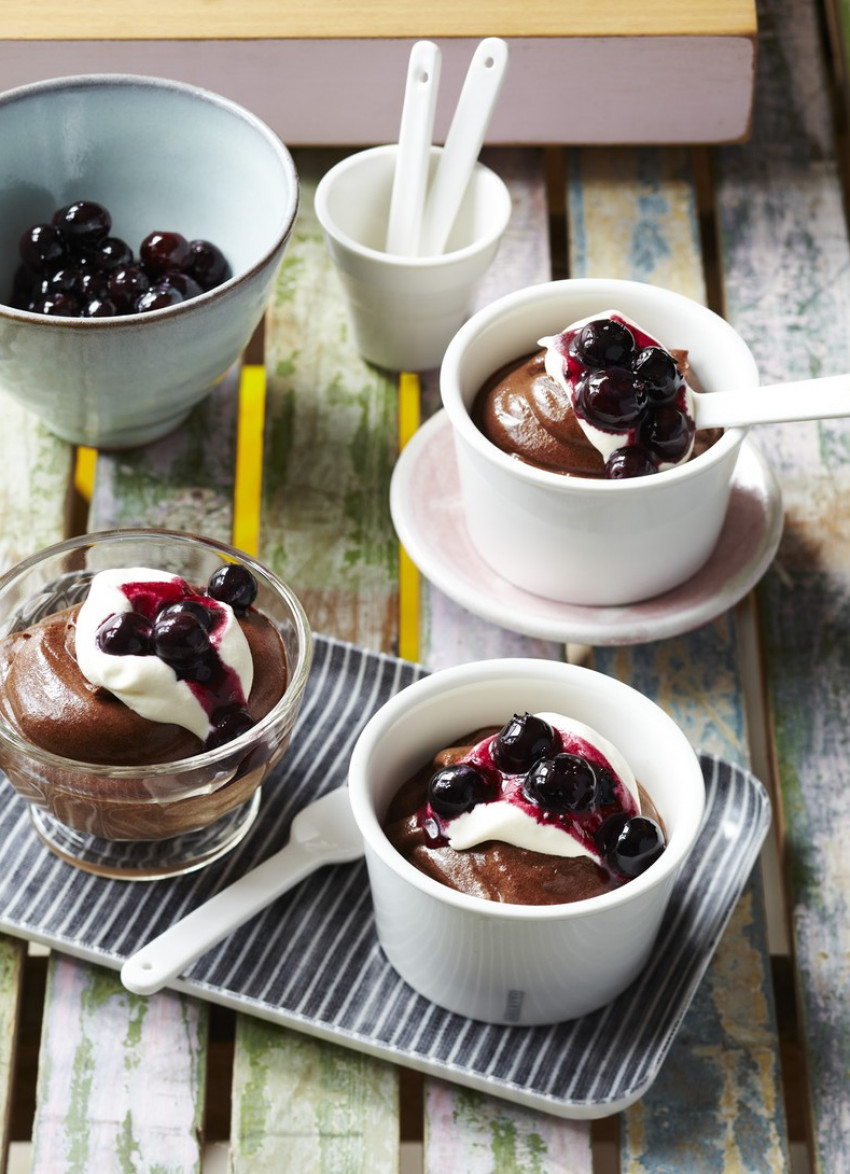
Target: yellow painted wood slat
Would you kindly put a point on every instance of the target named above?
(409, 585)
(209, 19)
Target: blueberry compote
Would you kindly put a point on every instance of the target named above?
(534, 813)
(181, 626)
(71, 266)
(625, 383)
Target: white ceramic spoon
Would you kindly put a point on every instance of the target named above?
(324, 832)
(808, 399)
(410, 180)
(464, 140)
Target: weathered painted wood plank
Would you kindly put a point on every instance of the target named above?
(633, 214)
(12, 960)
(330, 446)
(465, 1130)
(117, 1077)
(182, 482)
(35, 480)
(785, 252)
(299, 1104)
(469, 1131)
(303, 1105)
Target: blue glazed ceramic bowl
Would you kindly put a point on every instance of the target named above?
(160, 156)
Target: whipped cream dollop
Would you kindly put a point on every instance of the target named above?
(623, 398)
(146, 683)
(513, 818)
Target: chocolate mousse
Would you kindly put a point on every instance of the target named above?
(602, 400)
(145, 672)
(47, 700)
(568, 819)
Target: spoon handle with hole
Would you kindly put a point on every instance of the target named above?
(464, 140)
(414, 150)
(326, 836)
(807, 399)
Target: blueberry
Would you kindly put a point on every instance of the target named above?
(206, 263)
(564, 783)
(93, 284)
(126, 634)
(657, 371)
(180, 638)
(185, 285)
(158, 297)
(65, 278)
(59, 305)
(234, 585)
(606, 788)
(667, 433)
(98, 307)
(194, 607)
(629, 461)
(83, 222)
(111, 253)
(41, 246)
(604, 343)
(459, 788)
(126, 284)
(227, 725)
(521, 741)
(631, 845)
(163, 251)
(611, 398)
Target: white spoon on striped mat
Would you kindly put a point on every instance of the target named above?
(323, 832)
(807, 399)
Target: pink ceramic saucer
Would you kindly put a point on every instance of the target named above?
(428, 516)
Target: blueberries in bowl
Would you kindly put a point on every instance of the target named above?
(74, 268)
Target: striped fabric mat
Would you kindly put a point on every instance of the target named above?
(311, 960)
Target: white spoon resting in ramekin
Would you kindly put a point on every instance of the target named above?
(807, 399)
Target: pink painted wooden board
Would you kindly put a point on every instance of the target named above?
(578, 90)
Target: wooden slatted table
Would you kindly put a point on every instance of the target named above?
(96, 1079)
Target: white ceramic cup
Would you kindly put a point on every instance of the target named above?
(519, 963)
(404, 310)
(580, 540)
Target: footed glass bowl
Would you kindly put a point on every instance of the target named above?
(148, 821)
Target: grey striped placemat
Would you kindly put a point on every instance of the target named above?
(312, 961)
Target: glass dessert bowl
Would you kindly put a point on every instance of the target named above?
(109, 789)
